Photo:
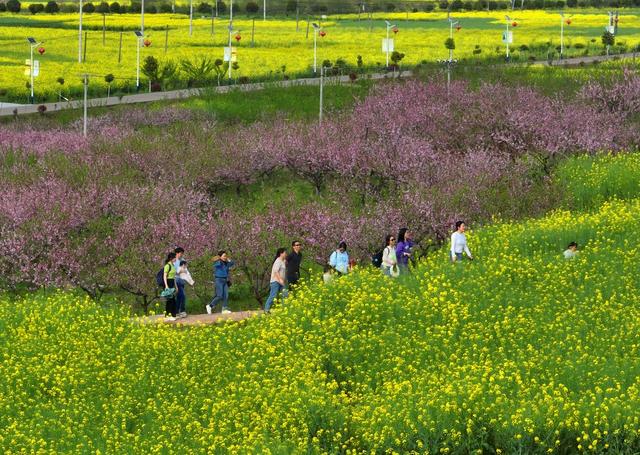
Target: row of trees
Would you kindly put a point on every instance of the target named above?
(304, 7)
(100, 213)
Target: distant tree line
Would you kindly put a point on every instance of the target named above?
(293, 7)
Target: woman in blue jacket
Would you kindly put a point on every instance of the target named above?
(221, 266)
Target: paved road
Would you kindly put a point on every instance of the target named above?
(7, 109)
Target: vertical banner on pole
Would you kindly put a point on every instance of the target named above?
(84, 56)
(120, 49)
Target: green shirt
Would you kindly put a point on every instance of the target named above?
(170, 271)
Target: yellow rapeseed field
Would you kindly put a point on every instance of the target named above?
(520, 351)
(277, 48)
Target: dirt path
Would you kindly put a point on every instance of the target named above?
(201, 319)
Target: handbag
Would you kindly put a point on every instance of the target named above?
(394, 271)
(168, 292)
(228, 283)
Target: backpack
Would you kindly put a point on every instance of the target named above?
(376, 259)
(160, 278)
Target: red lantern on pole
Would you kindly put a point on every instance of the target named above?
(146, 43)
(238, 37)
(395, 29)
(514, 24)
(568, 22)
(458, 27)
(323, 33)
(41, 50)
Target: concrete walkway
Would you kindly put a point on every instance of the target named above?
(21, 109)
(201, 319)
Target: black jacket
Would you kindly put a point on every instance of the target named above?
(293, 267)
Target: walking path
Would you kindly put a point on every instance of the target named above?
(201, 319)
(7, 109)
(20, 109)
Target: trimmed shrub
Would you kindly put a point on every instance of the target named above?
(68, 8)
(115, 8)
(52, 7)
(14, 6)
(252, 8)
(36, 8)
(204, 8)
(291, 7)
(103, 8)
(88, 8)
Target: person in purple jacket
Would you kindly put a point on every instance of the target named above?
(404, 250)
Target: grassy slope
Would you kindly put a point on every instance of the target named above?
(520, 351)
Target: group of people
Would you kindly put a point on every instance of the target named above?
(175, 274)
(394, 260)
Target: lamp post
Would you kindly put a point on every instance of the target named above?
(562, 22)
(316, 28)
(80, 36)
(85, 82)
(452, 22)
(32, 44)
(507, 37)
(322, 73)
(142, 17)
(264, 10)
(230, 55)
(388, 47)
(448, 64)
(190, 17)
(139, 37)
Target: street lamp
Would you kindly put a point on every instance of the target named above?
(448, 64)
(229, 55)
(388, 46)
(139, 36)
(32, 44)
(316, 29)
(322, 76)
(190, 17)
(562, 22)
(80, 36)
(452, 22)
(508, 37)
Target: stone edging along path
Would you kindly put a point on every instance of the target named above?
(7, 109)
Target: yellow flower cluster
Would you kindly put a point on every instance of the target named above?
(589, 182)
(520, 351)
(278, 44)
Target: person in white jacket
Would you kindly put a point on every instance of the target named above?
(183, 273)
(389, 260)
(459, 243)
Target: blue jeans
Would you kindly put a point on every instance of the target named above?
(459, 256)
(275, 289)
(222, 293)
(181, 298)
